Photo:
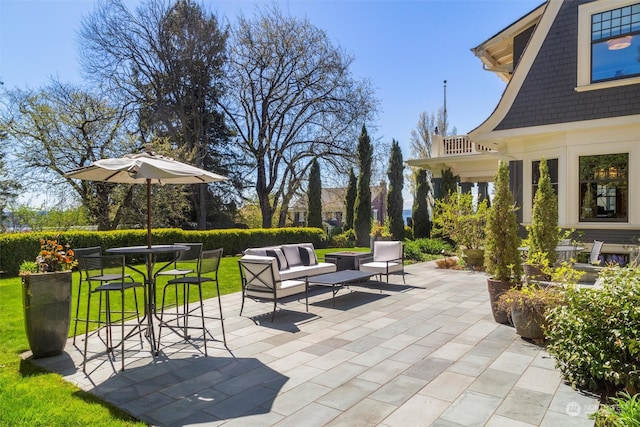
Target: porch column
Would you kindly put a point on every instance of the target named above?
(466, 187)
(483, 191)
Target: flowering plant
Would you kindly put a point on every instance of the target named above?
(54, 257)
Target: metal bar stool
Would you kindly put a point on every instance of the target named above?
(207, 271)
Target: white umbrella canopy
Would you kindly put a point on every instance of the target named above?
(144, 168)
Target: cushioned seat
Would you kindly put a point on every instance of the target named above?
(261, 280)
(388, 258)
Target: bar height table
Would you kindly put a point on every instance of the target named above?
(150, 253)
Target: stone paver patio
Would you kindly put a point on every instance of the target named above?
(427, 353)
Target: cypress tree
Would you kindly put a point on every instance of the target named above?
(314, 197)
(350, 200)
(449, 183)
(420, 211)
(362, 212)
(543, 232)
(394, 196)
(501, 257)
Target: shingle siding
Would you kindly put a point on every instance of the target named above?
(547, 95)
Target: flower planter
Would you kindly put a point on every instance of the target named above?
(497, 288)
(528, 323)
(46, 300)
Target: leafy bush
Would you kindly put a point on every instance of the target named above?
(343, 240)
(595, 338)
(623, 412)
(15, 248)
(408, 233)
(415, 250)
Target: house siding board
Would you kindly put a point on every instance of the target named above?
(611, 236)
(547, 95)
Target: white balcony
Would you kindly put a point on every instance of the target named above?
(456, 145)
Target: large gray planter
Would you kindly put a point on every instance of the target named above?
(46, 300)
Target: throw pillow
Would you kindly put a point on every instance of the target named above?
(292, 254)
(307, 255)
(279, 256)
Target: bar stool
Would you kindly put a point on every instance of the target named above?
(95, 268)
(206, 271)
(115, 263)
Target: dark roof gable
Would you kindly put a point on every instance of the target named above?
(547, 94)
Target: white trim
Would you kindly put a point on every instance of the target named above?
(584, 45)
(495, 137)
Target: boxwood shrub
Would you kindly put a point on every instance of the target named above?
(595, 338)
(18, 247)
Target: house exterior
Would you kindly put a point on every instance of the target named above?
(333, 208)
(572, 70)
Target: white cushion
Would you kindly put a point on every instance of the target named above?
(300, 271)
(286, 288)
(259, 266)
(381, 267)
(293, 255)
(387, 251)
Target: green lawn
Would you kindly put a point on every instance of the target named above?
(30, 396)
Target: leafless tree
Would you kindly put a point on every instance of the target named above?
(291, 99)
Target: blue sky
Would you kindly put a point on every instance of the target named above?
(406, 48)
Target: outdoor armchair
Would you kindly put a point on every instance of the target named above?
(388, 258)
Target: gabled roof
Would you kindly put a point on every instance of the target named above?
(496, 53)
(548, 11)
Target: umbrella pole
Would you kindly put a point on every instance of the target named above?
(148, 213)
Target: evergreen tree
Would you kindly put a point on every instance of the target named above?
(501, 258)
(420, 211)
(394, 196)
(543, 232)
(362, 212)
(449, 183)
(314, 197)
(350, 200)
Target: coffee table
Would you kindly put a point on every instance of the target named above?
(337, 280)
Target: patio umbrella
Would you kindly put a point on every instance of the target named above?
(144, 168)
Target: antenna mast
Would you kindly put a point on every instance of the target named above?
(444, 124)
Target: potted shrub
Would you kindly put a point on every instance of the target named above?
(501, 258)
(543, 233)
(528, 307)
(46, 296)
(457, 219)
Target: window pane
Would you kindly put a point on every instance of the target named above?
(604, 187)
(609, 64)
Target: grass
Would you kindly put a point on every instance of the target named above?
(31, 396)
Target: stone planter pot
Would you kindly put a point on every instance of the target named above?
(473, 257)
(528, 323)
(497, 288)
(46, 300)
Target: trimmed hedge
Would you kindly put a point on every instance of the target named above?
(18, 247)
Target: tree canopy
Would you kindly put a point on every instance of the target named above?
(290, 98)
(165, 63)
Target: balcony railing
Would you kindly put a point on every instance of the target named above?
(457, 145)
